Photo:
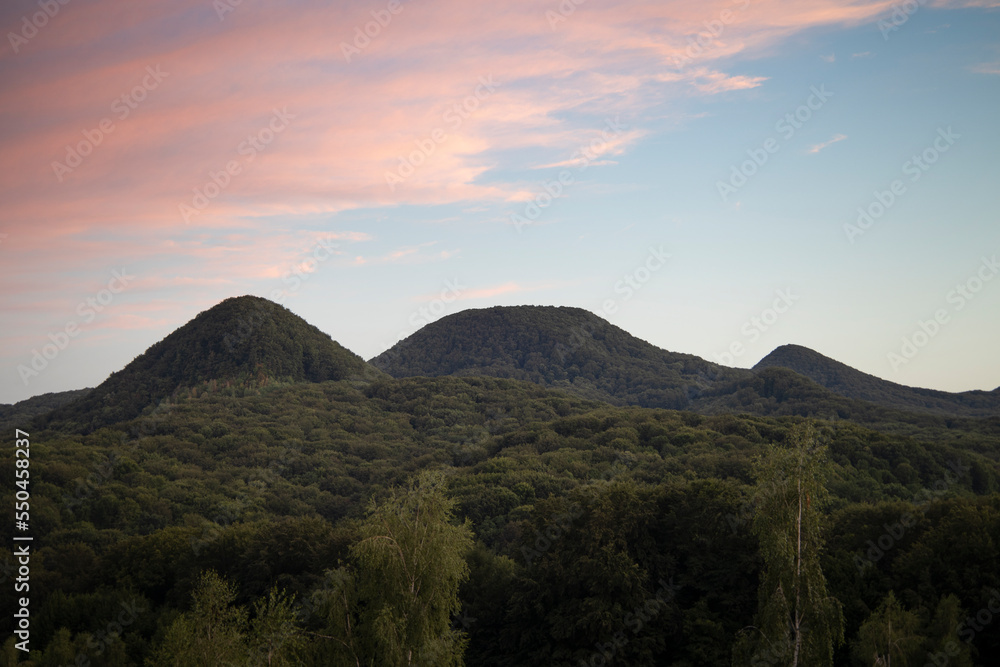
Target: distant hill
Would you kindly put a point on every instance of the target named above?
(251, 342)
(781, 392)
(851, 383)
(561, 347)
(265, 474)
(243, 340)
(20, 413)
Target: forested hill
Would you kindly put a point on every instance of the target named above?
(22, 411)
(273, 509)
(575, 350)
(247, 341)
(568, 348)
(846, 381)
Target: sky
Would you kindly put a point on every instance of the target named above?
(717, 178)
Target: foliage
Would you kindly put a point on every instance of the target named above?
(565, 348)
(243, 341)
(854, 384)
(408, 565)
(889, 636)
(600, 531)
(798, 622)
(212, 633)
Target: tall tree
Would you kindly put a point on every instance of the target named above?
(889, 636)
(275, 634)
(797, 622)
(394, 607)
(943, 643)
(211, 633)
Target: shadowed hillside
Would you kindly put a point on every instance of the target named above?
(244, 340)
(274, 468)
(568, 348)
(846, 381)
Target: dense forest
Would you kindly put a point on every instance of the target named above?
(565, 348)
(852, 383)
(575, 350)
(274, 500)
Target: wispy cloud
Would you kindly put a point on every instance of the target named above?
(408, 254)
(832, 140)
(712, 82)
(350, 122)
(829, 58)
(510, 287)
(346, 236)
(987, 68)
(597, 149)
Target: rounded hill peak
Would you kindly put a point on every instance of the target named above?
(244, 340)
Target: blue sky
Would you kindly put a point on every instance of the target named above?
(641, 145)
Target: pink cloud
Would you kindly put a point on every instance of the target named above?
(466, 294)
(987, 68)
(832, 140)
(349, 123)
(488, 292)
(509, 287)
(408, 255)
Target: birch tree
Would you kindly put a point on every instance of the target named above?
(797, 621)
(393, 608)
(889, 636)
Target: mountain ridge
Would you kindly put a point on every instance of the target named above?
(251, 341)
(557, 346)
(852, 383)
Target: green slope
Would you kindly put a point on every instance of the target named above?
(567, 348)
(246, 341)
(851, 383)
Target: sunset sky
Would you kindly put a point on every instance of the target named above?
(160, 157)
